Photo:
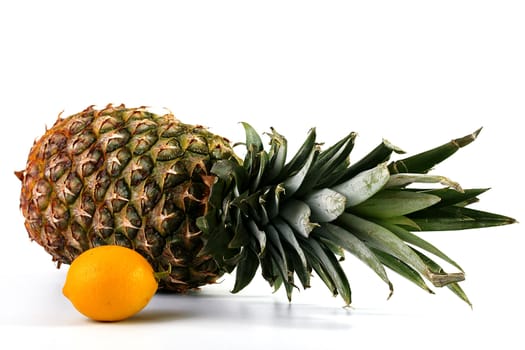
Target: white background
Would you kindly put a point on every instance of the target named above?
(416, 72)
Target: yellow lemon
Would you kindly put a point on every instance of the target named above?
(110, 283)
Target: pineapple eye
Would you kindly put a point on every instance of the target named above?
(141, 168)
(117, 162)
(80, 123)
(116, 140)
(58, 166)
(82, 141)
(54, 144)
(169, 150)
(120, 196)
(142, 143)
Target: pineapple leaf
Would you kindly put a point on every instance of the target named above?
(262, 158)
(271, 199)
(251, 206)
(376, 236)
(252, 138)
(452, 197)
(297, 214)
(217, 240)
(228, 170)
(259, 235)
(340, 150)
(287, 234)
(402, 269)
(378, 155)
(333, 247)
(331, 267)
(246, 269)
(300, 158)
(423, 162)
(321, 272)
(356, 247)
(278, 282)
(275, 241)
(457, 218)
(393, 203)
(321, 172)
(303, 272)
(326, 204)
(241, 236)
(364, 185)
(411, 238)
(268, 270)
(404, 179)
(454, 287)
(402, 221)
(279, 264)
(277, 156)
(294, 182)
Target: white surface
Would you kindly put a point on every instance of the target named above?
(416, 72)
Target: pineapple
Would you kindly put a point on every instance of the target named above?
(181, 197)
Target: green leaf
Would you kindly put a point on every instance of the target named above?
(326, 204)
(452, 197)
(334, 248)
(251, 206)
(278, 282)
(337, 152)
(293, 183)
(228, 170)
(402, 269)
(364, 185)
(454, 287)
(297, 214)
(259, 235)
(378, 155)
(272, 198)
(378, 237)
(392, 203)
(246, 269)
(322, 273)
(402, 221)
(241, 236)
(417, 241)
(300, 158)
(268, 270)
(355, 246)
(330, 265)
(454, 218)
(287, 234)
(423, 162)
(277, 156)
(217, 241)
(303, 272)
(252, 137)
(262, 158)
(275, 241)
(281, 268)
(404, 179)
(322, 170)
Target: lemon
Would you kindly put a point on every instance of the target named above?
(110, 283)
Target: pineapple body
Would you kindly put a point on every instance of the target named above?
(126, 177)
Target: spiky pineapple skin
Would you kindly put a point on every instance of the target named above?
(128, 177)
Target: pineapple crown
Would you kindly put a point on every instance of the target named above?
(292, 218)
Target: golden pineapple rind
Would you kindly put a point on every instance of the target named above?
(129, 177)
